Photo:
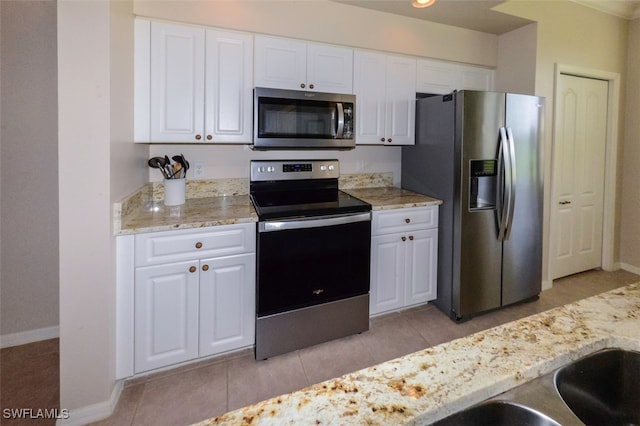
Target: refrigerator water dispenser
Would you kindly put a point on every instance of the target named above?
(482, 184)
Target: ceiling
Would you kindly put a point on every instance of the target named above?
(477, 14)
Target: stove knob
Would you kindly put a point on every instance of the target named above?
(331, 167)
(323, 168)
(271, 169)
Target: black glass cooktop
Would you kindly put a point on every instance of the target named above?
(305, 203)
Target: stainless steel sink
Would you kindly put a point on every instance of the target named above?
(497, 413)
(600, 389)
(603, 388)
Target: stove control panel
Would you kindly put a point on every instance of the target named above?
(267, 170)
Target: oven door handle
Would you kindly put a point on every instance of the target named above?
(283, 225)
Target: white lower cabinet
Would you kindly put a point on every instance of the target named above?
(227, 303)
(404, 258)
(195, 307)
(166, 315)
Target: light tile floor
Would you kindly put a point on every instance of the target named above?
(29, 373)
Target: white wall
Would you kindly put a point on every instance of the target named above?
(630, 222)
(29, 182)
(516, 71)
(228, 161)
(128, 161)
(95, 73)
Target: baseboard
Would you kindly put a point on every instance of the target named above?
(546, 285)
(94, 412)
(630, 268)
(24, 337)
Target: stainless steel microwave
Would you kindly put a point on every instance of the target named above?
(292, 119)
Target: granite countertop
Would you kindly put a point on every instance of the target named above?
(226, 202)
(194, 213)
(428, 385)
(390, 197)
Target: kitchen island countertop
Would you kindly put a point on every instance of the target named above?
(430, 384)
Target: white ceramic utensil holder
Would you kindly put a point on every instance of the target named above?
(174, 191)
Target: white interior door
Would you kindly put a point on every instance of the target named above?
(578, 174)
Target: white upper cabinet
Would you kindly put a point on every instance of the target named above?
(177, 83)
(439, 78)
(385, 88)
(228, 87)
(290, 64)
(192, 84)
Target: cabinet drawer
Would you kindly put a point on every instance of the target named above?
(172, 246)
(401, 220)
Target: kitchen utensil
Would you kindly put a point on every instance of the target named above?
(179, 159)
(177, 170)
(185, 163)
(158, 163)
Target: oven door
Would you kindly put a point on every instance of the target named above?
(307, 262)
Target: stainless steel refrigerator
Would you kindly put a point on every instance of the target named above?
(480, 152)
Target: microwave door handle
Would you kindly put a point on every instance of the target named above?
(340, 130)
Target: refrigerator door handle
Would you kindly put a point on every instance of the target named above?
(504, 170)
(512, 182)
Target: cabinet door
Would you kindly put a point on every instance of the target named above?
(422, 264)
(177, 83)
(329, 69)
(166, 315)
(280, 63)
(435, 77)
(401, 100)
(475, 78)
(369, 86)
(229, 88)
(227, 303)
(387, 273)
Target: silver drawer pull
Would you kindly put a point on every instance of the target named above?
(318, 291)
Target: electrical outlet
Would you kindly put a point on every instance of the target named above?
(198, 170)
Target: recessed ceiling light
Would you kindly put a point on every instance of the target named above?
(422, 3)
